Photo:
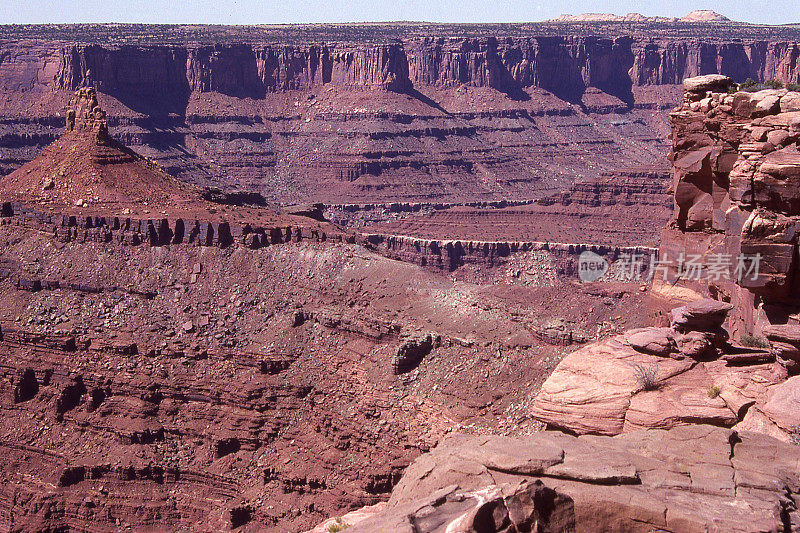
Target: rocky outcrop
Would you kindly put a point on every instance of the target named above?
(159, 231)
(85, 115)
(785, 344)
(696, 478)
(521, 506)
(86, 165)
(736, 173)
(626, 383)
(450, 255)
(667, 377)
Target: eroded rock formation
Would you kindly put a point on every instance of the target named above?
(736, 173)
(667, 377)
(378, 113)
(694, 478)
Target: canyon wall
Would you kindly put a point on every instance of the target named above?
(235, 69)
(733, 233)
(565, 66)
(156, 232)
(452, 254)
(363, 117)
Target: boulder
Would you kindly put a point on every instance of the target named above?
(782, 164)
(708, 82)
(609, 387)
(696, 344)
(700, 315)
(411, 353)
(754, 357)
(778, 137)
(789, 333)
(692, 478)
(680, 400)
(766, 104)
(782, 406)
(758, 104)
(759, 133)
(790, 102)
(784, 342)
(656, 341)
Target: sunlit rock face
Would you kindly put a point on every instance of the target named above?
(736, 184)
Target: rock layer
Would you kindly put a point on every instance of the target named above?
(736, 171)
(379, 113)
(697, 478)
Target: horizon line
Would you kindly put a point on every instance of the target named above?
(410, 22)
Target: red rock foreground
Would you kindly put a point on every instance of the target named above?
(689, 479)
(667, 377)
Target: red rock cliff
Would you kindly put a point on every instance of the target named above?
(564, 65)
(736, 181)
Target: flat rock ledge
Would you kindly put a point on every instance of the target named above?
(692, 478)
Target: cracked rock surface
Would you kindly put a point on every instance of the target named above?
(692, 478)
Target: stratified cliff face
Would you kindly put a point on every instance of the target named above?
(736, 181)
(133, 74)
(565, 66)
(671, 62)
(232, 69)
(375, 115)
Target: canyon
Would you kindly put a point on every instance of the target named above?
(378, 113)
(651, 429)
(171, 358)
(300, 278)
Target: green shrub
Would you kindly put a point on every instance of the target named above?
(774, 84)
(338, 525)
(752, 341)
(713, 391)
(793, 87)
(748, 85)
(794, 435)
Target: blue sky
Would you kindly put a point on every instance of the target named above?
(297, 11)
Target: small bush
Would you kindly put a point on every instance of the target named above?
(774, 84)
(793, 87)
(338, 525)
(646, 376)
(751, 341)
(748, 85)
(713, 391)
(794, 436)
